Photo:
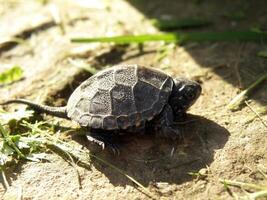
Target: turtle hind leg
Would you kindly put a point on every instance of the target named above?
(102, 140)
(170, 132)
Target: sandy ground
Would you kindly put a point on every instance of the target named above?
(216, 142)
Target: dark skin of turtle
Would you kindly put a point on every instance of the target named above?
(181, 94)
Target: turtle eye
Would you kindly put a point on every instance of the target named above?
(190, 94)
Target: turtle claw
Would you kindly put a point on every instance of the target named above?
(115, 149)
(103, 143)
(111, 146)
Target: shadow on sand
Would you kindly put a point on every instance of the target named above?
(150, 159)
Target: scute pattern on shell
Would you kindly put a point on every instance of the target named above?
(120, 97)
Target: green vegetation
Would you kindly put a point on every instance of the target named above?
(263, 54)
(11, 75)
(23, 139)
(180, 38)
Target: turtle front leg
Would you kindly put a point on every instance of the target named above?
(163, 124)
(102, 140)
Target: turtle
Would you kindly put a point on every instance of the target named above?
(125, 98)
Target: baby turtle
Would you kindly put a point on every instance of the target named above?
(125, 98)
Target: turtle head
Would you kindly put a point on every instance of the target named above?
(184, 95)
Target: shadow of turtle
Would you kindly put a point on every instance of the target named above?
(149, 159)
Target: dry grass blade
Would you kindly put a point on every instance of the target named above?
(262, 173)
(5, 40)
(259, 194)
(261, 191)
(256, 113)
(243, 185)
(5, 182)
(143, 189)
(241, 97)
(72, 163)
(54, 10)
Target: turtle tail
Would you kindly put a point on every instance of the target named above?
(55, 111)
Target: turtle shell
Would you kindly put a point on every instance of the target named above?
(120, 97)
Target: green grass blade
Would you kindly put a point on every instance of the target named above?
(226, 36)
(167, 25)
(128, 39)
(3, 131)
(180, 37)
